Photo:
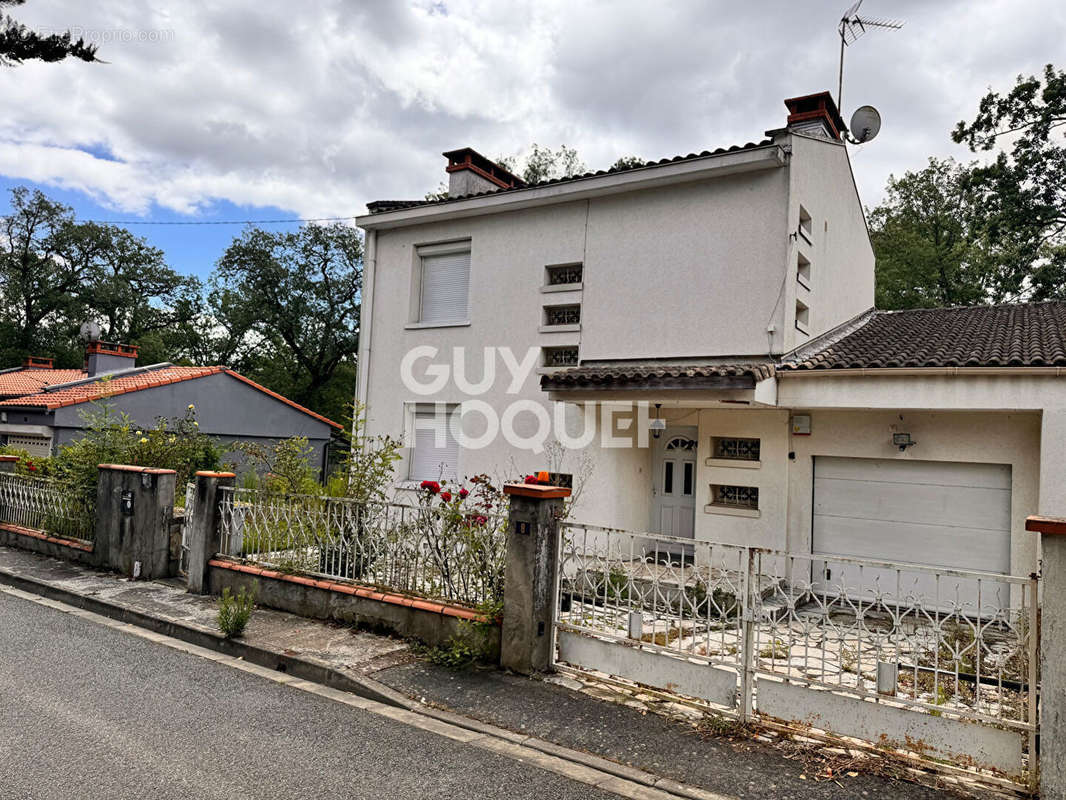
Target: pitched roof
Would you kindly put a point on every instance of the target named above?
(17, 382)
(379, 206)
(1019, 335)
(88, 391)
(650, 374)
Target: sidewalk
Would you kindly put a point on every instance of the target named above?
(558, 710)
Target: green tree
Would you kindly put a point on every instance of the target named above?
(1022, 191)
(545, 164)
(56, 272)
(628, 162)
(923, 238)
(284, 308)
(19, 43)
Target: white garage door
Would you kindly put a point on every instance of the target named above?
(939, 514)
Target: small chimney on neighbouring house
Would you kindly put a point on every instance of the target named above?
(469, 172)
(815, 115)
(104, 357)
(37, 362)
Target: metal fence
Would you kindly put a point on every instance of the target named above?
(446, 554)
(949, 643)
(48, 505)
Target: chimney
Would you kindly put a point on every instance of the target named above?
(104, 357)
(36, 362)
(815, 115)
(469, 172)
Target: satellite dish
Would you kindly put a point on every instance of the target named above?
(865, 124)
(90, 331)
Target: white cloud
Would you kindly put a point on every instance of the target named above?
(319, 108)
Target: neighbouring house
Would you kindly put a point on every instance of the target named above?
(721, 301)
(42, 408)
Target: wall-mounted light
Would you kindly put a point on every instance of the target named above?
(903, 441)
(657, 425)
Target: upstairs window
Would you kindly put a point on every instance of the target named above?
(562, 315)
(805, 223)
(564, 275)
(445, 283)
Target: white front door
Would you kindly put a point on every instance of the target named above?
(674, 483)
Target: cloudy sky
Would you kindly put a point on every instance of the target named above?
(255, 109)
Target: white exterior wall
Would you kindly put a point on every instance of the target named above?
(840, 252)
(711, 249)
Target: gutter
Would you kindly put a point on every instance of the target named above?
(770, 156)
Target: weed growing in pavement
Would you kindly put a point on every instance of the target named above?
(234, 611)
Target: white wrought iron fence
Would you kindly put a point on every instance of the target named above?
(953, 644)
(450, 554)
(48, 505)
(186, 522)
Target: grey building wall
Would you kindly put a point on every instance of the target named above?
(226, 408)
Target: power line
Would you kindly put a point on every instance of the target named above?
(216, 222)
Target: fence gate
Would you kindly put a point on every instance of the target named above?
(935, 661)
(183, 553)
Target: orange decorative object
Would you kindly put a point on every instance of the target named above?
(543, 476)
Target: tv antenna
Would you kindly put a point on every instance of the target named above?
(851, 27)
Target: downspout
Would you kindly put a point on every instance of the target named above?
(366, 325)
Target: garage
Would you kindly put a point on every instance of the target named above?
(934, 513)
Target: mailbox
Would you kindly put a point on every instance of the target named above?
(126, 504)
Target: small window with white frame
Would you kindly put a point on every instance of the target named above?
(443, 283)
(434, 453)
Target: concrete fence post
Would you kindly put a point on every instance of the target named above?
(203, 535)
(1052, 634)
(133, 510)
(532, 564)
(8, 463)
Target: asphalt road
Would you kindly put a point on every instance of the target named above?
(90, 712)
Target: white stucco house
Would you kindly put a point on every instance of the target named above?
(728, 294)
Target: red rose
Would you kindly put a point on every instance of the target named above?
(31, 467)
(463, 494)
(430, 486)
(446, 497)
(532, 479)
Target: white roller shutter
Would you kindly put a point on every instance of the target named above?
(445, 287)
(433, 457)
(939, 514)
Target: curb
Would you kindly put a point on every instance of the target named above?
(305, 668)
(364, 687)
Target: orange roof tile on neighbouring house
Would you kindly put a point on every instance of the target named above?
(21, 381)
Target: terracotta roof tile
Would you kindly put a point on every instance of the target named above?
(28, 381)
(122, 384)
(1020, 335)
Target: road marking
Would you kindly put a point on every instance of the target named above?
(511, 746)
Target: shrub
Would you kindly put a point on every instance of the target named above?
(234, 612)
(113, 438)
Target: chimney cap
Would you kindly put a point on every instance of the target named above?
(471, 159)
(819, 105)
(111, 349)
(37, 362)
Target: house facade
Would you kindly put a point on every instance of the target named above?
(713, 310)
(42, 408)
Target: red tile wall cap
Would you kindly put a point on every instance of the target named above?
(8, 459)
(206, 473)
(132, 468)
(1048, 525)
(429, 606)
(535, 490)
(36, 534)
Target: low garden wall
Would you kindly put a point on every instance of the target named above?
(431, 622)
(42, 542)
